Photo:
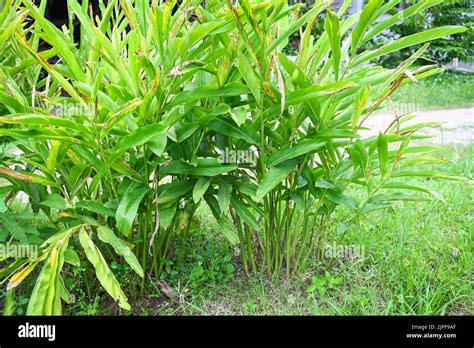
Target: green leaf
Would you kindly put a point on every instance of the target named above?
(274, 177)
(102, 270)
(366, 19)
(53, 156)
(244, 213)
(9, 301)
(397, 17)
(382, 149)
(404, 186)
(335, 134)
(295, 25)
(306, 94)
(166, 216)
(227, 229)
(342, 200)
(229, 90)
(71, 257)
(55, 201)
(239, 115)
(44, 120)
(174, 191)
(364, 156)
(394, 196)
(249, 76)
(223, 197)
(57, 39)
(128, 207)
(200, 188)
(426, 174)
(332, 28)
(89, 156)
(360, 102)
(46, 297)
(186, 131)
(3, 206)
(106, 235)
(36, 305)
(139, 137)
(205, 167)
(373, 207)
(96, 207)
(322, 183)
(63, 291)
(289, 152)
(194, 36)
(230, 129)
(158, 144)
(407, 41)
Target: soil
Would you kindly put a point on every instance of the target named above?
(457, 125)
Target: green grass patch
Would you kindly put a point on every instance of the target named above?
(449, 90)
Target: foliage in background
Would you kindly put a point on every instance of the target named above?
(452, 12)
(446, 12)
(460, 46)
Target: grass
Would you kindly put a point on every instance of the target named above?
(450, 90)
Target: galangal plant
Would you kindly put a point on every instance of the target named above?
(118, 137)
(302, 121)
(93, 123)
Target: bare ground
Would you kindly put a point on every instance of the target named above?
(457, 125)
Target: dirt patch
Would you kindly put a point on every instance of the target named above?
(456, 125)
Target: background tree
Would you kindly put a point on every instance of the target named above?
(450, 12)
(458, 12)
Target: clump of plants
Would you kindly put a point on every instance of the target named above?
(119, 137)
